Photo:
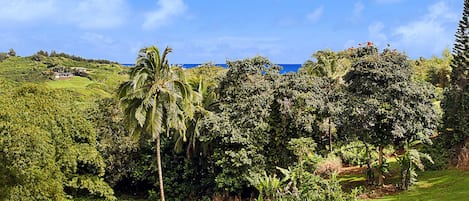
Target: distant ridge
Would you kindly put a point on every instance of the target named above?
(285, 67)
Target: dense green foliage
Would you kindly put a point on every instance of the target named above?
(238, 133)
(245, 132)
(455, 104)
(384, 106)
(48, 147)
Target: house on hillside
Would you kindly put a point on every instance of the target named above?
(61, 73)
(66, 73)
(79, 71)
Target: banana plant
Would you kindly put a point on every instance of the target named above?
(409, 161)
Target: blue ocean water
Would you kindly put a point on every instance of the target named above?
(285, 67)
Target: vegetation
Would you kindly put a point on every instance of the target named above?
(455, 120)
(48, 148)
(246, 132)
(436, 185)
(156, 99)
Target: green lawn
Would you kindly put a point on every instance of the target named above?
(437, 185)
(75, 82)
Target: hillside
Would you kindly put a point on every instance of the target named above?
(101, 80)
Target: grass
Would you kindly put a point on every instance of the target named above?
(75, 82)
(450, 184)
(436, 185)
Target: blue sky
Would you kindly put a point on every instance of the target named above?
(199, 31)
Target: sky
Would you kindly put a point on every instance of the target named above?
(201, 31)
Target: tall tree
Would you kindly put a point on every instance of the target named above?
(385, 107)
(239, 128)
(456, 101)
(331, 66)
(156, 99)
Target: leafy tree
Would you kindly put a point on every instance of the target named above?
(435, 70)
(48, 149)
(385, 106)
(239, 129)
(455, 103)
(329, 65)
(116, 145)
(301, 106)
(156, 98)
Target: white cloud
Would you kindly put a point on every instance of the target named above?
(358, 8)
(99, 14)
(428, 34)
(315, 15)
(26, 10)
(167, 10)
(375, 32)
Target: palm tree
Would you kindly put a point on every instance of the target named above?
(330, 65)
(156, 99)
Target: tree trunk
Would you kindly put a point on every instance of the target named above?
(380, 162)
(369, 171)
(330, 135)
(158, 161)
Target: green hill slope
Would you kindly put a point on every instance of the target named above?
(101, 81)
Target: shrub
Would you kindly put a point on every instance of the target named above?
(330, 165)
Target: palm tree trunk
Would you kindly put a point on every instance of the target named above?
(158, 161)
(380, 162)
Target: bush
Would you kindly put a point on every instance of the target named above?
(330, 165)
(354, 153)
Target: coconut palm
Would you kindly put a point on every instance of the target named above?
(156, 99)
(332, 66)
(328, 64)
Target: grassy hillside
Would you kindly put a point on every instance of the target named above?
(102, 81)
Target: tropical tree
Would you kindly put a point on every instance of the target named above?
(385, 106)
(328, 64)
(435, 70)
(455, 103)
(156, 99)
(331, 66)
(203, 80)
(409, 160)
(239, 129)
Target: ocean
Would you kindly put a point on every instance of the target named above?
(285, 67)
